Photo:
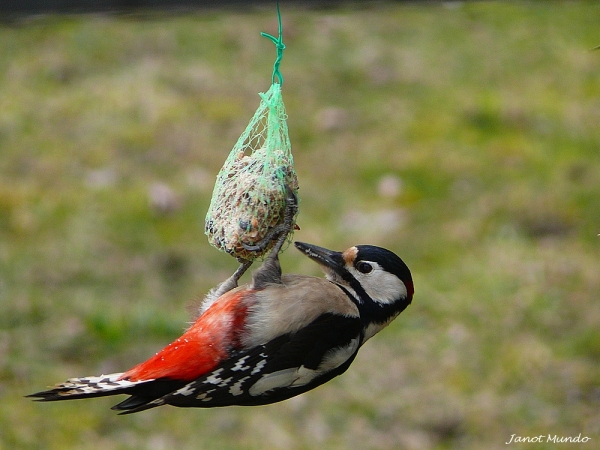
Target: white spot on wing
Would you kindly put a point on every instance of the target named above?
(236, 389)
(270, 381)
(214, 377)
(204, 397)
(259, 366)
(225, 382)
(240, 364)
(188, 389)
(305, 376)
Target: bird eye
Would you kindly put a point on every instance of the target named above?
(364, 267)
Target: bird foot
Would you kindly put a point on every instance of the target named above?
(224, 287)
(281, 231)
(232, 282)
(270, 271)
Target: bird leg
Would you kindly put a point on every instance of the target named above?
(270, 271)
(226, 286)
(232, 282)
(280, 232)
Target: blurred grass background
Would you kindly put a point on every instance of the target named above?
(465, 137)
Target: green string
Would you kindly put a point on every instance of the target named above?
(280, 47)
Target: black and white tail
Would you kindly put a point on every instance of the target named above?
(87, 387)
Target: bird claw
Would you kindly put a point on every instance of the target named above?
(264, 243)
(270, 271)
(281, 231)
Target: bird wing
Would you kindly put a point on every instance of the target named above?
(250, 347)
(286, 366)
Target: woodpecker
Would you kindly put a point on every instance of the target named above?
(275, 338)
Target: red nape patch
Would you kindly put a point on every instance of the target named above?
(202, 347)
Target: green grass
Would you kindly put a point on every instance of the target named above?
(484, 117)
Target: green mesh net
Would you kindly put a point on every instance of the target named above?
(249, 197)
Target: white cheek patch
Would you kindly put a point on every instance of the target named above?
(382, 286)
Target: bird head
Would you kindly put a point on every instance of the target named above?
(376, 279)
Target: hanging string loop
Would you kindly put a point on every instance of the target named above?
(280, 46)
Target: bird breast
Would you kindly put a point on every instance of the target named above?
(288, 307)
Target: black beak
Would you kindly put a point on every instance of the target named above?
(328, 259)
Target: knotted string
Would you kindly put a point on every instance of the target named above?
(280, 47)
